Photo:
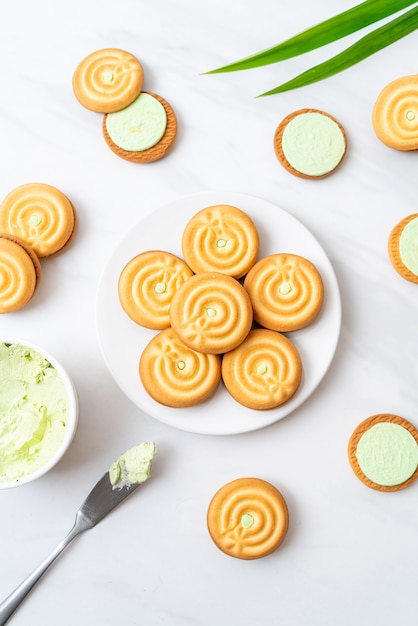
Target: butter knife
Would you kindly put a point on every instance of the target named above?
(124, 476)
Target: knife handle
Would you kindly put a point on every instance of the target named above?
(13, 601)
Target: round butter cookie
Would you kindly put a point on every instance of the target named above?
(41, 216)
(264, 371)
(147, 285)
(211, 313)
(176, 376)
(108, 80)
(395, 114)
(142, 132)
(221, 238)
(403, 248)
(248, 518)
(286, 292)
(20, 273)
(383, 452)
(310, 143)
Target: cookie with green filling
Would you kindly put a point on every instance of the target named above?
(142, 132)
(383, 452)
(310, 143)
(403, 248)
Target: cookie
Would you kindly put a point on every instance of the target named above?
(395, 114)
(248, 518)
(264, 371)
(221, 238)
(142, 132)
(41, 216)
(383, 452)
(286, 292)
(403, 248)
(108, 80)
(310, 143)
(20, 273)
(176, 376)
(147, 284)
(211, 313)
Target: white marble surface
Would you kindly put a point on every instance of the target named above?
(350, 554)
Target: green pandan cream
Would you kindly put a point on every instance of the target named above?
(134, 466)
(387, 454)
(33, 411)
(408, 246)
(313, 143)
(139, 126)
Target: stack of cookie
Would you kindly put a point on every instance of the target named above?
(36, 220)
(221, 313)
(138, 126)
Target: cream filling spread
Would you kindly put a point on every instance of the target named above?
(33, 411)
(313, 144)
(387, 454)
(133, 467)
(139, 126)
(408, 246)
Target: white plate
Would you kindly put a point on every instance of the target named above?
(122, 341)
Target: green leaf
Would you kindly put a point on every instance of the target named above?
(326, 32)
(366, 46)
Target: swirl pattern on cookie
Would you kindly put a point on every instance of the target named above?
(403, 248)
(221, 238)
(263, 372)
(20, 273)
(147, 285)
(108, 80)
(286, 292)
(39, 214)
(395, 114)
(248, 518)
(383, 452)
(211, 313)
(176, 376)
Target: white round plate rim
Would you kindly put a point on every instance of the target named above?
(121, 340)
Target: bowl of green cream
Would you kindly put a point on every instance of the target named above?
(38, 412)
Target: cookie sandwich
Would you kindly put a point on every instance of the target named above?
(20, 273)
(211, 313)
(221, 238)
(175, 375)
(137, 125)
(108, 80)
(147, 285)
(248, 518)
(264, 371)
(286, 291)
(395, 114)
(40, 215)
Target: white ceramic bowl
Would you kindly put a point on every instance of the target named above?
(72, 416)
